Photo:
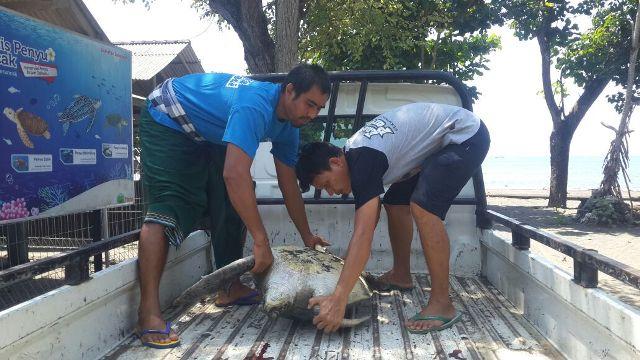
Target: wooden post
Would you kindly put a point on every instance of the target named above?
(584, 274)
(17, 244)
(77, 271)
(96, 235)
(519, 240)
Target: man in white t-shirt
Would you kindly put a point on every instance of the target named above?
(427, 153)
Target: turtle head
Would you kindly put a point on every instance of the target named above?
(11, 114)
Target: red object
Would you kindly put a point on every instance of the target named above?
(45, 72)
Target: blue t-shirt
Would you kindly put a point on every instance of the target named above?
(225, 108)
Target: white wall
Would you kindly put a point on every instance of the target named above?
(581, 323)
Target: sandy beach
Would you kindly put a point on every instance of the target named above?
(621, 243)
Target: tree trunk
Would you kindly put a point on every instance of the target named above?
(249, 21)
(287, 29)
(564, 126)
(560, 141)
(559, 145)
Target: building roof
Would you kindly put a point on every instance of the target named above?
(69, 14)
(167, 58)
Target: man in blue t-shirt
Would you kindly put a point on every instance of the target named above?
(199, 135)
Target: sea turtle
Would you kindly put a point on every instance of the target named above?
(28, 123)
(116, 121)
(81, 107)
(296, 275)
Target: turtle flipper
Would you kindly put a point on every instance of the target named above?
(93, 118)
(47, 135)
(24, 137)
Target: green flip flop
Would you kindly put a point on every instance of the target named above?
(446, 322)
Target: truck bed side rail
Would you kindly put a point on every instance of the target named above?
(586, 262)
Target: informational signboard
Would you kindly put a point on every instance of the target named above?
(65, 126)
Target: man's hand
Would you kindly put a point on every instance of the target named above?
(332, 309)
(263, 257)
(312, 240)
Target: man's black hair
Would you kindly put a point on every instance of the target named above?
(306, 76)
(314, 160)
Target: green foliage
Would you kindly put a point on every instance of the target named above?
(444, 35)
(343, 129)
(602, 51)
(605, 210)
(395, 35)
(528, 19)
(314, 131)
(355, 35)
(560, 219)
(311, 132)
(599, 51)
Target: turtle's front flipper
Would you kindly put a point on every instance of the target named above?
(347, 323)
(24, 137)
(47, 135)
(93, 118)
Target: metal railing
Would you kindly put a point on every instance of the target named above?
(37, 256)
(586, 262)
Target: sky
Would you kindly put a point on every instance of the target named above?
(511, 103)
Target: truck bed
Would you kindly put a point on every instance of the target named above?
(492, 328)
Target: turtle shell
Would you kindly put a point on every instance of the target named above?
(298, 274)
(32, 122)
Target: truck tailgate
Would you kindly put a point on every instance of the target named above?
(491, 329)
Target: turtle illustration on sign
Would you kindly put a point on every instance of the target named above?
(28, 123)
(81, 108)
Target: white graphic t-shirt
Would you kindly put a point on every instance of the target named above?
(393, 146)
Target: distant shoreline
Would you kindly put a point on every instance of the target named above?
(534, 172)
(544, 194)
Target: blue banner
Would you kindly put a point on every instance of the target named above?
(66, 122)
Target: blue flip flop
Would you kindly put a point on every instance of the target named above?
(158, 345)
(251, 299)
(446, 322)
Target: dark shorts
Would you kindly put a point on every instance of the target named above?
(443, 175)
(184, 188)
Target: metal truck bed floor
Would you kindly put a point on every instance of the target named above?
(492, 328)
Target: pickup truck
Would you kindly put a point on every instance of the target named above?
(516, 304)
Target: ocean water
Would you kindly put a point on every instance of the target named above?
(533, 172)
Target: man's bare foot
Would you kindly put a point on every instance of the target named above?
(237, 291)
(400, 280)
(390, 281)
(155, 323)
(443, 309)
